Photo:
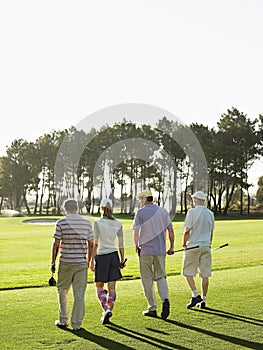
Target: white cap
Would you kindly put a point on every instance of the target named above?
(199, 195)
(106, 202)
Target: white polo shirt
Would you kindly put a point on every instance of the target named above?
(200, 221)
(106, 231)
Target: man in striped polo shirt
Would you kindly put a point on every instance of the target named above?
(74, 238)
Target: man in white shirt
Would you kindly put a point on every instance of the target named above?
(198, 231)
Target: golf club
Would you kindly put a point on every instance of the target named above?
(183, 249)
(52, 282)
(221, 246)
(122, 265)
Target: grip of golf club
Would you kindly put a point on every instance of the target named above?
(184, 249)
(223, 245)
(122, 264)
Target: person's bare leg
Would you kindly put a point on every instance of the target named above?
(112, 294)
(195, 296)
(205, 283)
(191, 282)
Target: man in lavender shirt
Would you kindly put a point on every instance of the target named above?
(149, 229)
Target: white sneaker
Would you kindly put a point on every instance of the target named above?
(60, 324)
(106, 316)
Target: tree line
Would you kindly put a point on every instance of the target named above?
(122, 159)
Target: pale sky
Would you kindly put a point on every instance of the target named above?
(64, 60)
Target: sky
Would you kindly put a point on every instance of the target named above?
(61, 61)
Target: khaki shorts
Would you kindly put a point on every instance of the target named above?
(197, 259)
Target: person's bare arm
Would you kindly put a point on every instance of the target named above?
(186, 236)
(54, 253)
(93, 254)
(121, 248)
(136, 239)
(54, 250)
(170, 251)
(90, 250)
(211, 238)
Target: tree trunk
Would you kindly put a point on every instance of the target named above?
(41, 203)
(42, 192)
(48, 203)
(181, 203)
(26, 204)
(213, 196)
(1, 204)
(55, 200)
(219, 202)
(159, 198)
(241, 200)
(122, 197)
(17, 201)
(248, 203)
(173, 210)
(241, 193)
(36, 203)
(185, 191)
(93, 204)
(131, 186)
(185, 200)
(228, 199)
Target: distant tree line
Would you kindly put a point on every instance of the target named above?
(27, 171)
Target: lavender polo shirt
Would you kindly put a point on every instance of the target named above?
(152, 221)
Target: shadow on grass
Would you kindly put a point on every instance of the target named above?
(157, 331)
(21, 287)
(106, 343)
(145, 338)
(230, 315)
(238, 341)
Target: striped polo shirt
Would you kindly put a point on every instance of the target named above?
(73, 231)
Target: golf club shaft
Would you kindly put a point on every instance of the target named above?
(183, 249)
(221, 246)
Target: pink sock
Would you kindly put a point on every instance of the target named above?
(111, 299)
(102, 296)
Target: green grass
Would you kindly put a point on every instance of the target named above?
(29, 306)
(25, 250)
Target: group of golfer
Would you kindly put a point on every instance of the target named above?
(81, 246)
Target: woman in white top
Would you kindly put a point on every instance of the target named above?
(105, 260)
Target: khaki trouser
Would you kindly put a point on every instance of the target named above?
(75, 275)
(152, 268)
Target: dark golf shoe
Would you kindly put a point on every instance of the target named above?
(201, 305)
(166, 309)
(150, 313)
(194, 301)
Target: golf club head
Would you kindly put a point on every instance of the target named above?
(52, 282)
